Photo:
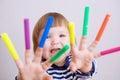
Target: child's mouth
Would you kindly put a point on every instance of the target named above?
(55, 50)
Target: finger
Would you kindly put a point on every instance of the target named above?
(19, 64)
(106, 52)
(97, 55)
(55, 57)
(46, 64)
(93, 46)
(74, 50)
(83, 43)
(85, 29)
(28, 57)
(38, 55)
(12, 50)
(101, 30)
(72, 37)
(46, 31)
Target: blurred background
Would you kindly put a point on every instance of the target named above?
(13, 12)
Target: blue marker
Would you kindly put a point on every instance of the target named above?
(46, 31)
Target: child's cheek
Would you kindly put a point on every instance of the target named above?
(66, 41)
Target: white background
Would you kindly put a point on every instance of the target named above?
(12, 13)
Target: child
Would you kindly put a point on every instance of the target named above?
(75, 64)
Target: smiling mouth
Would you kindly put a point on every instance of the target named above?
(55, 50)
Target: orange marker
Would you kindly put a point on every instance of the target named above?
(102, 27)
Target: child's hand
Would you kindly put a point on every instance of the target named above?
(33, 69)
(82, 57)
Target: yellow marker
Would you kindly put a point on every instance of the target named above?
(72, 32)
(10, 47)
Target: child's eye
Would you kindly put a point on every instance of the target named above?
(62, 35)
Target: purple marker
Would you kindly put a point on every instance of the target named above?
(27, 36)
(109, 51)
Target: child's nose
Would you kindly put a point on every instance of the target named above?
(55, 41)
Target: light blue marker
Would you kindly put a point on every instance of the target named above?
(46, 31)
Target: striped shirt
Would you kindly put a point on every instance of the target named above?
(64, 72)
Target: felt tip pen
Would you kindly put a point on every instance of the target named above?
(27, 33)
(59, 53)
(72, 32)
(85, 23)
(10, 46)
(46, 31)
(106, 19)
(108, 51)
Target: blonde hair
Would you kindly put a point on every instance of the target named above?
(59, 20)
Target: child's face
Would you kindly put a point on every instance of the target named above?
(57, 38)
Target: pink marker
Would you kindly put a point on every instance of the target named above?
(27, 36)
(105, 52)
(109, 51)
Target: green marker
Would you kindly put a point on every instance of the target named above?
(59, 53)
(85, 24)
